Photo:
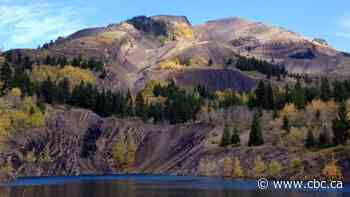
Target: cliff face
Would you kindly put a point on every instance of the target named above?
(79, 142)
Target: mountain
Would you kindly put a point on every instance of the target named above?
(53, 124)
(133, 51)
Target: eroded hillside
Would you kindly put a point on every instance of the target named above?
(134, 51)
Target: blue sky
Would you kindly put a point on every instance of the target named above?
(26, 24)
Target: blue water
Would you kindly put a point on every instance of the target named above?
(147, 186)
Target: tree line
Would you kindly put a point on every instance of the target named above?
(80, 62)
(252, 64)
(87, 96)
(24, 61)
(267, 97)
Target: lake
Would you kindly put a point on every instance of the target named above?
(145, 186)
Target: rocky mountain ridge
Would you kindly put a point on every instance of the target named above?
(132, 51)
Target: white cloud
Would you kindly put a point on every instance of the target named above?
(27, 24)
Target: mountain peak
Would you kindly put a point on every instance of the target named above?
(172, 18)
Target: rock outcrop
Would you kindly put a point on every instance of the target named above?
(78, 142)
(132, 50)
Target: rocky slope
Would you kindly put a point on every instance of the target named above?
(132, 50)
(79, 142)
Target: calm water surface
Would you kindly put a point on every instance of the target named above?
(145, 186)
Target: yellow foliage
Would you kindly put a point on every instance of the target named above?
(29, 116)
(5, 125)
(237, 169)
(15, 92)
(131, 154)
(274, 168)
(19, 119)
(319, 105)
(147, 92)
(76, 75)
(2, 60)
(120, 150)
(197, 61)
(348, 108)
(35, 117)
(296, 163)
(244, 98)
(36, 120)
(171, 64)
(43, 72)
(73, 74)
(288, 109)
(182, 30)
(227, 167)
(222, 95)
(332, 171)
(28, 105)
(316, 105)
(6, 168)
(259, 166)
(296, 134)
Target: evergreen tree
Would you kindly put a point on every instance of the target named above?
(298, 95)
(210, 62)
(155, 111)
(129, 104)
(195, 102)
(274, 114)
(260, 94)
(157, 90)
(5, 76)
(100, 104)
(48, 60)
(324, 138)
(27, 63)
(286, 125)
(269, 100)
(226, 137)
(22, 80)
(256, 137)
(76, 96)
(235, 139)
(325, 89)
(341, 126)
(63, 92)
(339, 92)
(140, 106)
(287, 94)
(311, 93)
(310, 140)
(108, 108)
(48, 90)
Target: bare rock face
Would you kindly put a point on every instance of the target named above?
(219, 79)
(132, 50)
(299, 54)
(78, 142)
